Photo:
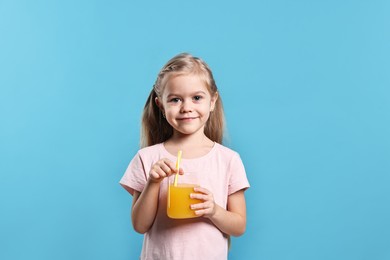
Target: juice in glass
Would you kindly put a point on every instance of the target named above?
(179, 201)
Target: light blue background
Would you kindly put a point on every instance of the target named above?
(305, 86)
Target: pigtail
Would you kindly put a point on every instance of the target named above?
(154, 129)
(215, 126)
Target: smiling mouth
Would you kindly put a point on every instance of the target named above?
(186, 118)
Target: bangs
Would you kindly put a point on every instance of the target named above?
(194, 69)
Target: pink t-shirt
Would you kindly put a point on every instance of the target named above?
(221, 171)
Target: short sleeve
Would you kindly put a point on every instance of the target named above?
(135, 175)
(238, 179)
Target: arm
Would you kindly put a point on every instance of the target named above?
(144, 208)
(231, 221)
(145, 203)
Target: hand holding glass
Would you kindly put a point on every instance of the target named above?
(179, 201)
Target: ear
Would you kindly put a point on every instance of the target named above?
(159, 104)
(213, 100)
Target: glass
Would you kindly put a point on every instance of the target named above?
(179, 201)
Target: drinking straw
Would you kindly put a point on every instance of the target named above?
(177, 167)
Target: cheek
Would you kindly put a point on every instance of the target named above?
(171, 111)
(206, 109)
(205, 113)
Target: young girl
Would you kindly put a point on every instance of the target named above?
(184, 112)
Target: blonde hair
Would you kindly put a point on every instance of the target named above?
(154, 128)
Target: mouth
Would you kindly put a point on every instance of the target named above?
(186, 118)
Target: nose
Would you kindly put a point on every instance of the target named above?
(186, 107)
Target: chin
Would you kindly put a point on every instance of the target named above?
(187, 131)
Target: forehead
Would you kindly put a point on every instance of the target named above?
(185, 83)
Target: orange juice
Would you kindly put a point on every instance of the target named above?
(179, 201)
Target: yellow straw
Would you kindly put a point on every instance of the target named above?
(177, 167)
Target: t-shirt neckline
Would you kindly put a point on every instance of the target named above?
(208, 154)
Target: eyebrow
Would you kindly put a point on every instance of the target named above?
(199, 92)
(192, 94)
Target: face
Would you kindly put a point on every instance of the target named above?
(186, 103)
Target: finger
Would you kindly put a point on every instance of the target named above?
(166, 169)
(170, 165)
(199, 196)
(202, 190)
(203, 212)
(198, 206)
(164, 164)
(157, 174)
(199, 212)
(154, 175)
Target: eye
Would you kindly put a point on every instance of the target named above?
(174, 100)
(198, 98)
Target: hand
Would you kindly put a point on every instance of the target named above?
(206, 208)
(161, 169)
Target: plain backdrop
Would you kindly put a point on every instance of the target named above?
(305, 86)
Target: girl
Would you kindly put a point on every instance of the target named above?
(184, 112)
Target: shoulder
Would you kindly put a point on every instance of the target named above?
(150, 149)
(153, 152)
(226, 152)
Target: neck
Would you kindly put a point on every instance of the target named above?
(190, 140)
(193, 145)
